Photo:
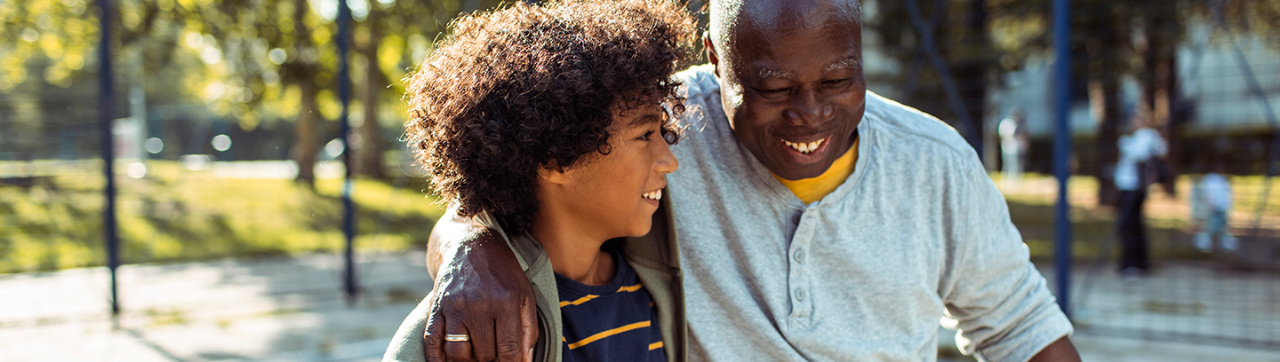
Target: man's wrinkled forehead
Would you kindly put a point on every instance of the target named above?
(733, 19)
(764, 72)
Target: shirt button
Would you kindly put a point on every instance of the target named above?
(798, 255)
(799, 295)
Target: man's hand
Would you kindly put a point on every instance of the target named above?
(1059, 351)
(480, 291)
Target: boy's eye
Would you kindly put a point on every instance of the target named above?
(646, 136)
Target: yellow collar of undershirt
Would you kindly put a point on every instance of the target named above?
(814, 189)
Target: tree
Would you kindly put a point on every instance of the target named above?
(48, 63)
(960, 35)
(1112, 39)
(392, 37)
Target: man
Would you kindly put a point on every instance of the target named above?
(816, 221)
(1141, 152)
(1013, 147)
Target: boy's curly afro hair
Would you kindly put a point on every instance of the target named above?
(532, 86)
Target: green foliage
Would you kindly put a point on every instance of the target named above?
(57, 34)
(176, 214)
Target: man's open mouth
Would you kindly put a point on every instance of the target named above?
(804, 147)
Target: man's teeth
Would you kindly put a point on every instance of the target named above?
(804, 147)
(653, 195)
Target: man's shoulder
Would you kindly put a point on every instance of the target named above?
(699, 79)
(910, 129)
(703, 114)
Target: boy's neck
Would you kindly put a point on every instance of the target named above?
(574, 253)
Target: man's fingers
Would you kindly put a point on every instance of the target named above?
(528, 327)
(459, 351)
(507, 331)
(483, 343)
(433, 336)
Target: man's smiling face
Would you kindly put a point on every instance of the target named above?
(792, 83)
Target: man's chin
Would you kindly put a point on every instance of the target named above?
(795, 172)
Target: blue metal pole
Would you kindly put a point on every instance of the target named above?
(106, 104)
(1062, 149)
(344, 92)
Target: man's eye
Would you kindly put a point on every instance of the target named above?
(773, 92)
(646, 136)
(837, 83)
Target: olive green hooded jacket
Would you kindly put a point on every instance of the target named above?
(655, 258)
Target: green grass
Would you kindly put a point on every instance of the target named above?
(1090, 231)
(178, 215)
(1032, 211)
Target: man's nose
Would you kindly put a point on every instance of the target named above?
(810, 108)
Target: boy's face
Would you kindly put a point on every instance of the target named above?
(615, 195)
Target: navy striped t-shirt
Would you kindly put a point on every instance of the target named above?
(612, 322)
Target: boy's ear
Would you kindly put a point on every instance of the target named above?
(552, 173)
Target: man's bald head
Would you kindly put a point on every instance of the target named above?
(790, 74)
(730, 18)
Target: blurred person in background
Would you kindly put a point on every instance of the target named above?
(1013, 146)
(550, 124)
(1211, 205)
(1141, 152)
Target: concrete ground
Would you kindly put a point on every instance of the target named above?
(290, 309)
(278, 309)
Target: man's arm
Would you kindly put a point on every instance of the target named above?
(1059, 351)
(480, 291)
(1002, 305)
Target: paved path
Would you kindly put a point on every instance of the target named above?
(285, 309)
(1185, 301)
(290, 309)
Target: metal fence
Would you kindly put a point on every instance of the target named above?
(209, 189)
(1204, 72)
(143, 215)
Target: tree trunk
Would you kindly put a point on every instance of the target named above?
(1101, 49)
(971, 71)
(1160, 90)
(307, 146)
(1157, 81)
(369, 155)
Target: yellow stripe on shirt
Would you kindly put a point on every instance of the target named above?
(630, 288)
(589, 297)
(655, 345)
(606, 334)
(579, 301)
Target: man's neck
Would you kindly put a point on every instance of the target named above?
(573, 250)
(816, 188)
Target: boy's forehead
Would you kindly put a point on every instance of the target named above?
(639, 115)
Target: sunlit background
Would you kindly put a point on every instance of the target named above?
(230, 167)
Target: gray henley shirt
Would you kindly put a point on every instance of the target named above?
(916, 234)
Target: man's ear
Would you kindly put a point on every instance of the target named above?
(711, 52)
